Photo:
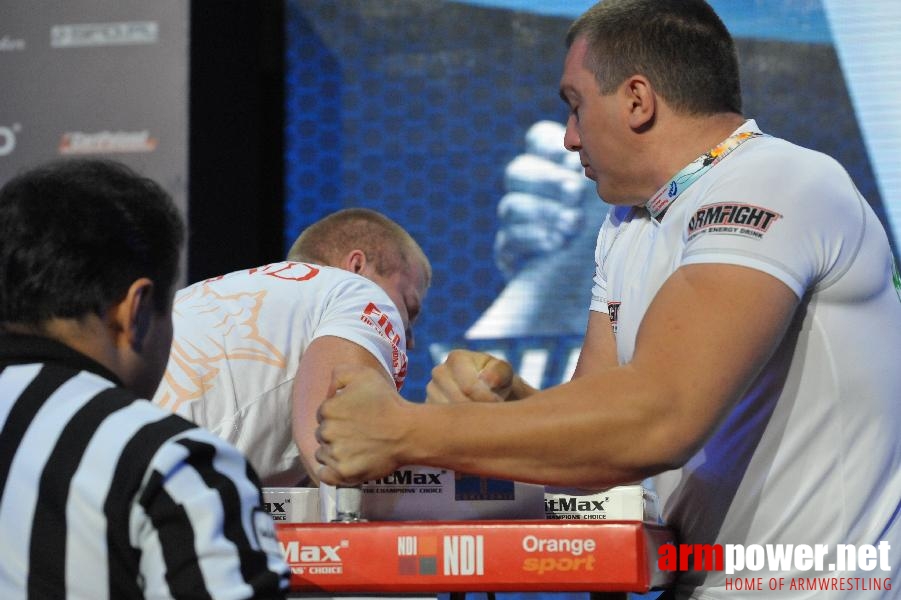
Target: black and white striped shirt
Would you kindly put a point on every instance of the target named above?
(104, 495)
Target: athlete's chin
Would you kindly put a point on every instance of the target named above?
(589, 173)
(610, 196)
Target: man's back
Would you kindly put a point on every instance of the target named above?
(238, 342)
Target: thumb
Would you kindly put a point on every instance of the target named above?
(497, 375)
(341, 376)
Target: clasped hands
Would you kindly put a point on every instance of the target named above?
(366, 428)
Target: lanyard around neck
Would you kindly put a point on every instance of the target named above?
(681, 181)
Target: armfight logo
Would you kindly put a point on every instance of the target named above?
(740, 219)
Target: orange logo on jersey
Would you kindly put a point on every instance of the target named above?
(194, 364)
(288, 271)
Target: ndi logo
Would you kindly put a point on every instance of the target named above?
(8, 139)
(417, 555)
(464, 555)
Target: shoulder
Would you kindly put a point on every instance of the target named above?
(778, 175)
(353, 287)
(771, 160)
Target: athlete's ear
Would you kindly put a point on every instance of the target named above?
(354, 261)
(641, 102)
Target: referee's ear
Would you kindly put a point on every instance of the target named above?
(135, 314)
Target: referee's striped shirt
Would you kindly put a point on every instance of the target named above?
(104, 495)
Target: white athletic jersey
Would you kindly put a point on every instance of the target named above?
(238, 340)
(812, 453)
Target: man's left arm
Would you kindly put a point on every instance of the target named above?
(696, 353)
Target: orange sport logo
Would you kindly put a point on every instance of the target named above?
(558, 554)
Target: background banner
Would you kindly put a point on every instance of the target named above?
(443, 115)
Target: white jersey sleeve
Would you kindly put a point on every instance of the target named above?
(239, 339)
(776, 222)
(359, 311)
(610, 229)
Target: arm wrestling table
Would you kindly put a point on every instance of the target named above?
(608, 559)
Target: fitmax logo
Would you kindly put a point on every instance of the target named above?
(295, 552)
(574, 504)
(277, 510)
(314, 559)
(8, 138)
(408, 477)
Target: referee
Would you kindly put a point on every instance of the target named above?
(102, 494)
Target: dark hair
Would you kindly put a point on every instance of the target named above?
(681, 46)
(75, 234)
(388, 245)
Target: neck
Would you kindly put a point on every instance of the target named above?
(683, 139)
(88, 335)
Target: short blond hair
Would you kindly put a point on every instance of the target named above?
(388, 245)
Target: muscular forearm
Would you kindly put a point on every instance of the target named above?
(695, 355)
(592, 432)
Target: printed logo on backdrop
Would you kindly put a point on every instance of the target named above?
(8, 138)
(106, 142)
(10, 44)
(84, 35)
